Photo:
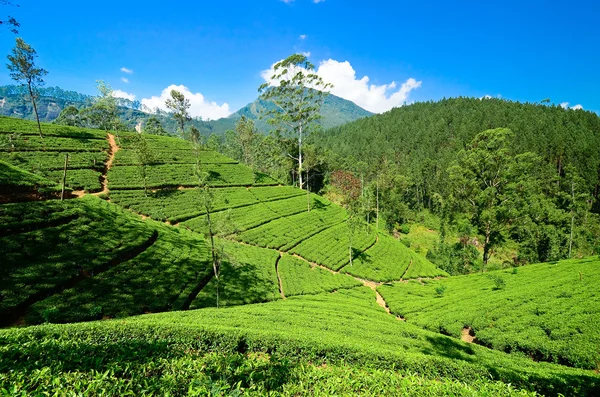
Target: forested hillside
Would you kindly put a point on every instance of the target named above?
(429, 156)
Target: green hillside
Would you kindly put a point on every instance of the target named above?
(287, 314)
(549, 312)
(336, 111)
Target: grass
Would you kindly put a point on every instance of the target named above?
(549, 312)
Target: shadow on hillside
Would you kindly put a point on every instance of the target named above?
(164, 192)
(239, 284)
(361, 256)
(318, 204)
(154, 281)
(448, 347)
(127, 349)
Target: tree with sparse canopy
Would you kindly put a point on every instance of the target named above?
(179, 106)
(22, 68)
(154, 127)
(298, 93)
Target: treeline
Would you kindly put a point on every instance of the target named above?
(411, 154)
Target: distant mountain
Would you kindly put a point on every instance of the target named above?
(336, 111)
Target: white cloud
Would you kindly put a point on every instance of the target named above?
(375, 98)
(318, 1)
(123, 94)
(577, 107)
(200, 107)
(126, 70)
(486, 97)
(288, 1)
(303, 37)
(124, 79)
(564, 105)
(306, 54)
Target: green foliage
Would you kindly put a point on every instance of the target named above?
(22, 69)
(14, 180)
(250, 216)
(330, 247)
(285, 233)
(178, 106)
(298, 277)
(175, 175)
(153, 126)
(544, 311)
(86, 259)
(439, 290)
(247, 275)
(409, 150)
(298, 93)
(390, 260)
(179, 205)
(340, 334)
(493, 185)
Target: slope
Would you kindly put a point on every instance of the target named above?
(296, 340)
(250, 210)
(549, 312)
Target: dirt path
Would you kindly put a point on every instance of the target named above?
(467, 335)
(114, 148)
(278, 276)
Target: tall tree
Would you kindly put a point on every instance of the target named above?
(179, 106)
(103, 112)
(22, 69)
(246, 137)
(493, 185)
(298, 93)
(144, 157)
(154, 127)
(349, 187)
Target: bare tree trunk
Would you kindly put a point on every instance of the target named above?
(37, 117)
(307, 192)
(486, 246)
(300, 157)
(214, 257)
(64, 180)
(377, 224)
(572, 218)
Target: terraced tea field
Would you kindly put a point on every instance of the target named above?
(549, 312)
(294, 312)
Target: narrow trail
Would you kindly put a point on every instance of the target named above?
(113, 149)
(278, 276)
(367, 283)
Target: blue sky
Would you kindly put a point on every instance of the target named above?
(219, 50)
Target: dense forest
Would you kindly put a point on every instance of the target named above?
(412, 153)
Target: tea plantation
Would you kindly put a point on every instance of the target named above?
(549, 312)
(289, 313)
